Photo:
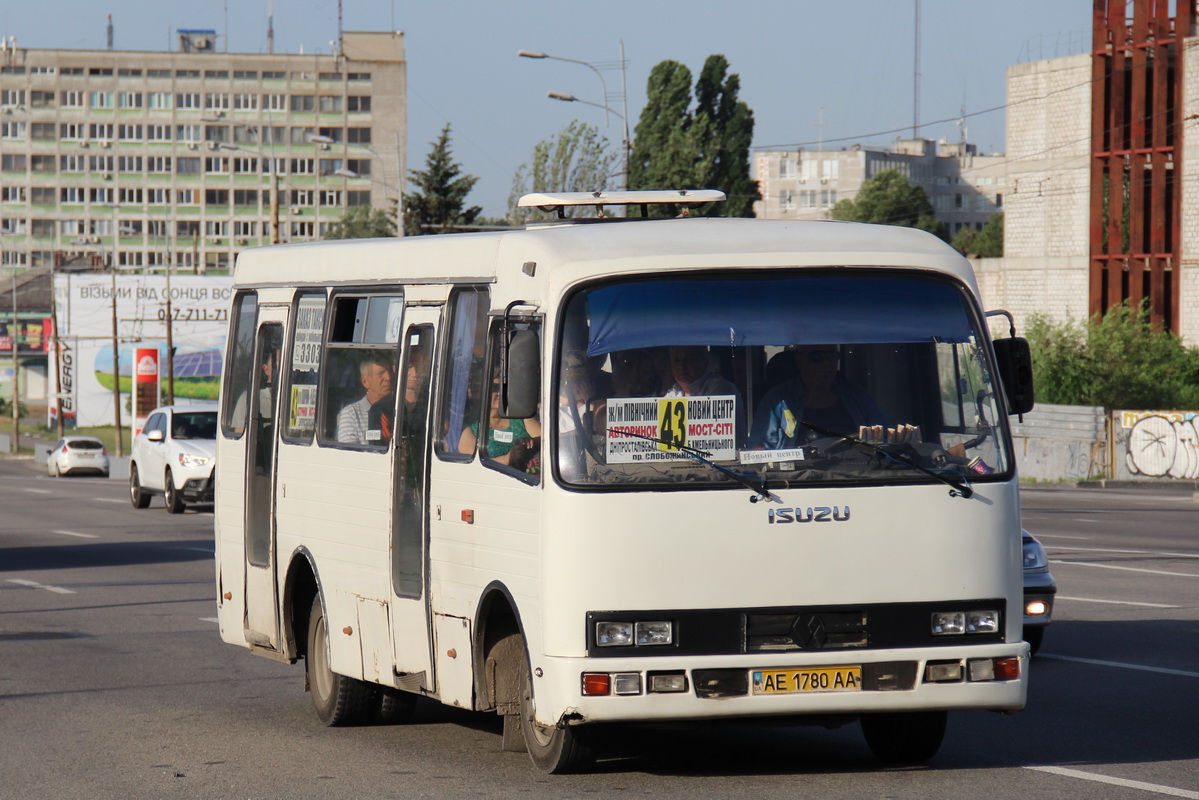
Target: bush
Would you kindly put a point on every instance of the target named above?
(1120, 360)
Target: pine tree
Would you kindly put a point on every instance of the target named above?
(439, 203)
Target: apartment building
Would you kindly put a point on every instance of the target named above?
(965, 188)
(150, 159)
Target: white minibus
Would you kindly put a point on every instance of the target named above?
(619, 469)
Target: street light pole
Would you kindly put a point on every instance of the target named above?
(626, 143)
(566, 97)
(16, 372)
(116, 353)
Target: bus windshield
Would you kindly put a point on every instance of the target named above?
(784, 379)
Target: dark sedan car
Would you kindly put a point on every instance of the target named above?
(1039, 590)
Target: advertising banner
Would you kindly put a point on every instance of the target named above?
(199, 322)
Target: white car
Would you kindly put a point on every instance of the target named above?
(75, 454)
(174, 456)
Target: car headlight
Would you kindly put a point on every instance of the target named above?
(1034, 555)
(192, 460)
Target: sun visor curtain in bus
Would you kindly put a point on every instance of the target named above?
(760, 310)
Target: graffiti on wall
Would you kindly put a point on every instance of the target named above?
(1161, 444)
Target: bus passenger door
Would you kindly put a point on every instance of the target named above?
(262, 599)
(410, 606)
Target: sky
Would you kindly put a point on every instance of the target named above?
(836, 72)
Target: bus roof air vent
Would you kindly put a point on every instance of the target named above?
(557, 202)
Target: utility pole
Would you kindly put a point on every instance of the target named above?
(16, 372)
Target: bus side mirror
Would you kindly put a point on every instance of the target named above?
(521, 387)
(1015, 371)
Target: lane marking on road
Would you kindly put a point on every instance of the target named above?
(1124, 782)
(36, 585)
(209, 619)
(108, 500)
(1115, 602)
(80, 535)
(38, 491)
(1043, 535)
(1125, 551)
(1119, 665)
(1125, 569)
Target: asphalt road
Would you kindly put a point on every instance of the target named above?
(115, 684)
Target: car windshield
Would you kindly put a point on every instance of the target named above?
(774, 380)
(194, 425)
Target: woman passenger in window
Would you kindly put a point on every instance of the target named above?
(502, 433)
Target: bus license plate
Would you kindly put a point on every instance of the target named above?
(818, 679)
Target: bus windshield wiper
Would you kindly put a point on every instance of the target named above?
(959, 483)
(760, 491)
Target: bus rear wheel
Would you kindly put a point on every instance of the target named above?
(338, 700)
(905, 737)
(556, 749)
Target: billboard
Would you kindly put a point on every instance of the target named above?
(200, 319)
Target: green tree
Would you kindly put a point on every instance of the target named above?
(576, 160)
(438, 205)
(363, 222)
(1121, 360)
(987, 243)
(890, 199)
(677, 146)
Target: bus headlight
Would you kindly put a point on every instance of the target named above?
(638, 634)
(948, 623)
(613, 634)
(654, 633)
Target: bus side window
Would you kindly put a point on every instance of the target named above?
(515, 443)
(303, 373)
(240, 361)
(461, 387)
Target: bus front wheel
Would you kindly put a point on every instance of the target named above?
(905, 737)
(338, 700)
(557, 748)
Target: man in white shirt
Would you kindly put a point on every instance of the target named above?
(353, 421)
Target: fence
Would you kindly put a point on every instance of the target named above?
(1062, 443)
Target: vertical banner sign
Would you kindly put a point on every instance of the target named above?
(146, 384)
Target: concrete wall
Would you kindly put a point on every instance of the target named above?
(1056, 443)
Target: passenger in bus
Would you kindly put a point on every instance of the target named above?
(354, 422)
(819, 394)
(502, 434)
(695, 374)
(640, 372)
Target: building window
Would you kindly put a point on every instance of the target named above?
(358, 76)
(187, 166)
(101, 130)
(245, 102)
(158, 73)
(99, 72)
(189, 133)
(11, 98)
(216, 74)
(358, 104)
(245, 166)
(273, 134)
(42, 228)
(71, 99)
(129, 164)
(274, 102)
(100, 99)
(274, 76)
(302, 102)
(42, 132)
(330, 104)
(12, 194)
(71, 195)
(187, 197)
(216, 197)
(43, 70)
(13, 130)
(354, 199)
(187, 228)
(132, 196)
(157, 228)
(330, 198)
(358, 135)
(786, 199)
(130, 133)
(187, 73)
(330, 165)
(216, 227)
(828, 198)
(188, 101)
(301, 197)
(303, 230)
(216, 165)
(43, 164)
(243, 228)
(41, 99)
(72, 163)
(216, 102)
(335, 134)
(12, 163)
(159, 100)
(132, 100)
(301, 135)
(245, 197)
(158, 197)
(42, 195)
(101, 194)
(245, 75)
(359, 166)
(158, 133)
(216, 133)
(101, 163)
(302, 166)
